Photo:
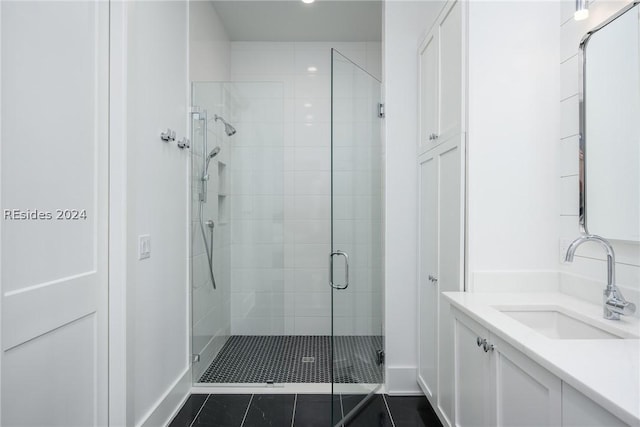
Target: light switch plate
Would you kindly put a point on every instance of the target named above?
(144, 246)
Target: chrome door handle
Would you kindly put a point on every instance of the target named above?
(480, 341)
(433, 279)
(346, 270)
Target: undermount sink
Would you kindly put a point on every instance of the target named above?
(555, 324)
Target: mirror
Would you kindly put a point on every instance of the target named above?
(610, 128)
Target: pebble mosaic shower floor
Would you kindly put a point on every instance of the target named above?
(295, 359)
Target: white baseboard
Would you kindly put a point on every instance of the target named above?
(169, 403)
(402, 381)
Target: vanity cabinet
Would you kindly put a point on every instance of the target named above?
(526, 394)
(441, 84)
(497, 385)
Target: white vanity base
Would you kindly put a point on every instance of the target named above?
(528, 377)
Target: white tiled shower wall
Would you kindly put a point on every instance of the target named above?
(590, 261)
(300, 303)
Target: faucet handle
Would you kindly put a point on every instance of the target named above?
(620, 306)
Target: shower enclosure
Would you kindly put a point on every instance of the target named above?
(292, 303)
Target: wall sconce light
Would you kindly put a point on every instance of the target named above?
(582, 10)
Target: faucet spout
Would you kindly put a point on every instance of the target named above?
(611, 256)
(614, 303)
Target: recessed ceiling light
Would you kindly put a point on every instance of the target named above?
(309, 117)
(312, 69)
(308, 1)
(308, 105)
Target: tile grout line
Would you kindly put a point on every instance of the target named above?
(200, 410)
(295, 402)
(247, 411)
(393, 424)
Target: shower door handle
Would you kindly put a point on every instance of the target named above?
(346, 270)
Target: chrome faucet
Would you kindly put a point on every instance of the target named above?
(614, 303)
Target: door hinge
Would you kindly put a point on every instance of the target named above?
(381, 110)
(380, 357)
(195, 358)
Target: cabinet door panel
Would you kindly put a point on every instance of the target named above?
(450, 250)
(473, 378)
(580, 411)
(451, 71)
(450, 246)
(429, 96)
(527, 394)
(428, 288)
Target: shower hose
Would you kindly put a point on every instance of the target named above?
(208, 247)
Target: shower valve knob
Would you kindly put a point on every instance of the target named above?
(169, 135)
(184, 143)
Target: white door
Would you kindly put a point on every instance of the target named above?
(428, 273)
(54, 90)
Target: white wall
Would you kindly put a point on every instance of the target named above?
(303, 302)
(590, 261)
(405, 23)
(256, 208)
(157, 204)
(513, 126)
(208, 44)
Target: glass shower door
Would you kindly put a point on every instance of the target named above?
(356, 260)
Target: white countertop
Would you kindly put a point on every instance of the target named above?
(605, 370)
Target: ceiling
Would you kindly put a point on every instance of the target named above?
(286, 21)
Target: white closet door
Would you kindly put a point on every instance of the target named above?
(428, 272)
(54, 90)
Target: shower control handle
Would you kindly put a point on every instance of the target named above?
(346, 270)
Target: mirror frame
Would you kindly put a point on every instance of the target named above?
(582, 149)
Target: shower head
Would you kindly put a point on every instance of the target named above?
(229, 130)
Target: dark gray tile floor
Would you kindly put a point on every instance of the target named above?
(303, 410)
(296, 359)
